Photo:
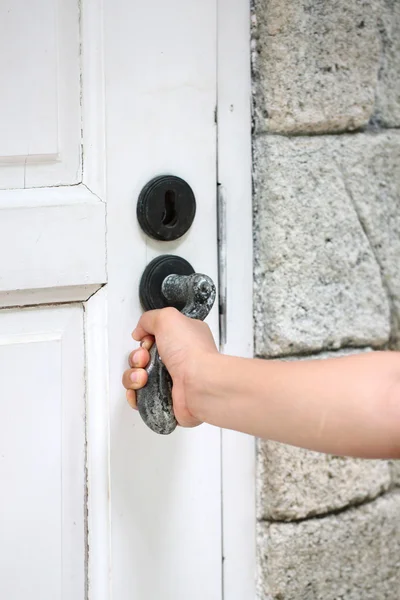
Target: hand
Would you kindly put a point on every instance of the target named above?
(184, 344)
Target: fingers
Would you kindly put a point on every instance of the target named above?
(147, 342)
(139, 358)
(134, 379)
(149, 322)
(146, 325)
(131, 397)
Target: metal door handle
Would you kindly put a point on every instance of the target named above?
(195, 295)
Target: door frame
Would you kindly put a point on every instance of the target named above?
(236, 276)
(236, 286)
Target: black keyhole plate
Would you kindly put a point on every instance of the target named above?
(150, 293)
(166, 208)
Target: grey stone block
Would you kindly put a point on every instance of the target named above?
(388, 89)
(315, 64)
(354, 555)
(395, 472)
(317, 281)
(294, 483)
(371, 170)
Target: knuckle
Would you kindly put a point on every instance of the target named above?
(163, 316)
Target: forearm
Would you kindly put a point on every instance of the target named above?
(345, 406)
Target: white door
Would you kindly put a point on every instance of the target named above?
(96, 99)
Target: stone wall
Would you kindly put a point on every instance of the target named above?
(326, 84)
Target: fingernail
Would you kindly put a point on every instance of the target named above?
(146, 344)
(135, 377)
(135, 362)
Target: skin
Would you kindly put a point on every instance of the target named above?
(348, 406)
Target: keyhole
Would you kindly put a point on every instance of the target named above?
(170, 217)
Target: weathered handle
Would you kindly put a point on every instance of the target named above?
(154, 401)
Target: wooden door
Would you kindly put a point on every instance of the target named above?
(97, 98)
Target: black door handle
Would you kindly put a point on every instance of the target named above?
(169, 281)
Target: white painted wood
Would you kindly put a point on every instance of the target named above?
(40, 121)
(149, 93)
(52, 249)
(97, 431)
(42, 449)
(234, 176)
(28, 105)
(160, 73)
(52, 245)
(51, 295)
(93, 97)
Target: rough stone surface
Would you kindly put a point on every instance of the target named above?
(318, 283)
(316, 64)
(388, 90)
(395, 472)
(296, 483)
(354, 555)
(327, 276)
(371, 170)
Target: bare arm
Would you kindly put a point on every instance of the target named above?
(344, 406)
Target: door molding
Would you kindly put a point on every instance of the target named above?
(98, 507)
(235, 203)
(98, 554)
(62, 228)
(93, 98)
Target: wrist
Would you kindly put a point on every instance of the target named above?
(202, 385)
(226, 392)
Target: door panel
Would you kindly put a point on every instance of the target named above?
(52, 250)
(42, 454)
(160, 72)
(52, 226)
(40, 121)
(52, 245)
